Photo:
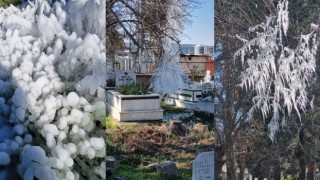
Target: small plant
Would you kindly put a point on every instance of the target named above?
(109, 124)
(131, 89)
(111, 83)
(171, 109)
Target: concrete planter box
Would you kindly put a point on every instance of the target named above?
(207, 107)
(180, 103)
(134, 107)
(191, 95)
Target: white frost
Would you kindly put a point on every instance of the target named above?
(52, 63)
(4, 158)
(278, 74)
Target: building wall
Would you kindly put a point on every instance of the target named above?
(197, 65)
(210, 67)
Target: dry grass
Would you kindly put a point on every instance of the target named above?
(143, 144)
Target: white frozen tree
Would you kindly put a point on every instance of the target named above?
(168, 75)
(278, 74)
(52, 60)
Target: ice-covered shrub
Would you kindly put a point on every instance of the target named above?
(52, 60)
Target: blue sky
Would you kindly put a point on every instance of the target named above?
(200, 30)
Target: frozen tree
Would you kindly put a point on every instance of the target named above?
(167, 78)
(142, 22)
(278, 73)
(153, 26)
(52, 60)
(168, 75)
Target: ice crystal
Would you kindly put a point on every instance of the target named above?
(52, 60)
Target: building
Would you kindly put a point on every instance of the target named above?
(196, 49)
(195, 61)
(196, 66)
(190, 49)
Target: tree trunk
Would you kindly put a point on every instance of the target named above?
(241, 173)
(218, 169)
(231, 171)
(218, 162)
(312, 170)
(302, 165)
(302, 161)
(277, 173)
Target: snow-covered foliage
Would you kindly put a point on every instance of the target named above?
(52, 60)
(278, 74)
(168, 75)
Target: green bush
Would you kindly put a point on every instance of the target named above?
(111, 83)
(131, 89)
(5, 3)
(109, 124)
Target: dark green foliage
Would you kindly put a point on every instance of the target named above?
(5, 3)
(111, 83)
(131, 89)
(171, 109)
(128, 172)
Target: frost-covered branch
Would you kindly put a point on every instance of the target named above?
(278, 74)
